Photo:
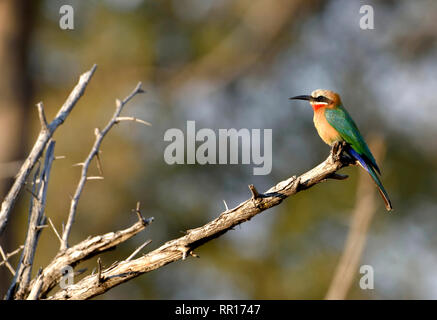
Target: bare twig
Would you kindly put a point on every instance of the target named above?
(94, 151)
(42, 140)
(7, 256)
(79, 164)
(254, 192)
(363, 213)
(138, 212)
(42, 117)
(179, 248)
(226, 205)
(138, 250)
(99, 164)
(95, 178)
(36, 219)
(6, 262)
(133, 119)
(54, 229)
(99, 271)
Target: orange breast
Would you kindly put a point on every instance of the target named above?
(328, 134)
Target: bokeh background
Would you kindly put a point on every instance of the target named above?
(229, 64)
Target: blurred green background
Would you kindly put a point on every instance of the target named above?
(229, 64)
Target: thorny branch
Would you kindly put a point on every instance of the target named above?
(82, 251)
(47, 131)
(93, 153)
(21, 286)
(179, 248)
(22, 276)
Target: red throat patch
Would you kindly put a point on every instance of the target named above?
(318, 106)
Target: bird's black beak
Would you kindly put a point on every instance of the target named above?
(308, 98)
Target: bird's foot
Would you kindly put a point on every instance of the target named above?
(339, 152)
(337, 149)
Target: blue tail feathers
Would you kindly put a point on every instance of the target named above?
(371, 170)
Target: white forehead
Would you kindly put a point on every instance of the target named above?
(320, 92)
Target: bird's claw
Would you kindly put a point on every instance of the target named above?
(337, 150)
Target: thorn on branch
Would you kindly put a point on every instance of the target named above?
(95, 178)
(226, 206)
(54, 229)
(254, 192)
(118, 119)
(99, 164)
(255, 195)
(118, 103)
(99, 271)
(79, 164)
(194, 255)
(138, 250)
(138, 212)
(141, 219)
(41, 226)
(32, 194)
(184, 251)
(139, 89)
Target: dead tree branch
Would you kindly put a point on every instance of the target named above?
(22, 276)
(51, 275)
(47, 131)
(179, 248)
(82, 251)
(22, 287)
(93, 153)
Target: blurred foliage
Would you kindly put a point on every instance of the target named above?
(387, 80)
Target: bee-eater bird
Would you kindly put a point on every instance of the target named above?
(334, 124)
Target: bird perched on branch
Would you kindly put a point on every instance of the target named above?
(334, 124)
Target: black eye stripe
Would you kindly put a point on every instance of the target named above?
(323, 99)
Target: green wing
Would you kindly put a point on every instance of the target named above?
(340, 119)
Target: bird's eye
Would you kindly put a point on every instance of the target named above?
(321, 98)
